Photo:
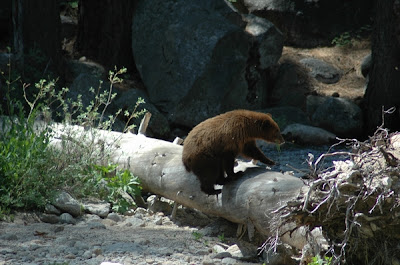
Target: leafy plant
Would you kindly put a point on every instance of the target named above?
(342, 40)
(114, 185)
(221, 237)
(317, 260)
(346, 38)
(197, 235)
(29, 165)
(25, 173)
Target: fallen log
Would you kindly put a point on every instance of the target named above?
(249, 200)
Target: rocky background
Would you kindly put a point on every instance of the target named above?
(191, 60)
(195, 60)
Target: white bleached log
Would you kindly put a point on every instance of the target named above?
(158, 164)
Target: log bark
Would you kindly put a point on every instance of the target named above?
(158, 164)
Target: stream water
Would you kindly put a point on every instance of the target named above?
(292, 157)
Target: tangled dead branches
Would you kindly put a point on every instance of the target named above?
(355, 203)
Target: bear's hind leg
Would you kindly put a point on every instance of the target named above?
(228, 164)
(221, 180)
(208, 173)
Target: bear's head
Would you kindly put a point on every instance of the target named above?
(270, 130)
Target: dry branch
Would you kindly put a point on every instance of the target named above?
(356, 203)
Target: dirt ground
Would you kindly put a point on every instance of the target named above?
(348, 59)
(139, 239)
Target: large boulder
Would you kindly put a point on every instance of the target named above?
(309, 23)
(126, 100)
(338, 115)
(286, 115)
(85, 87)
(307, 135)
(93, 77)
(201, 58)
(291, 85)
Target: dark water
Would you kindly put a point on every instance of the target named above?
(292, 157)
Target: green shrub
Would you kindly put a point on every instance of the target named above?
(317, 260)
(32, 171)
(25, 174)
(346, 38)
(116, 185)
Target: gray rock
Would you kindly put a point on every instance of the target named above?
(66, 218)
(126, 100)
(49, 218)
(101, 209)
(115, 217)
(313, 103)
(218, 249)
(68, 204)
(340, 116)
(87, 254)
(96, 225)
(283, 255)
(82, 85)
(307, 135)
(291, 86)
(222, 255)
(51, 209)
(109, 222)
(235, 251)
(58, 228)
(158, 205)
(158, 220)
(97, 251)
(269, 38)
(135, 222)
(321, 70)
(287, 115)
(366, 64)
(141, 210)
(194, 70)
(207, 260)
(229, 261)
(81, 245)
(82, 66)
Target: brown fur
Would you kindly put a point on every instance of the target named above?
(210, 149)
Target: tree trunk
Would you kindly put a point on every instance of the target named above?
(248, 201)
(104, 32)
(36, 30)
(384, 78)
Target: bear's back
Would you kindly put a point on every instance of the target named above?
(225, 132)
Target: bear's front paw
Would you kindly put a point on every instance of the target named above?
(237, 175)
(234, 176)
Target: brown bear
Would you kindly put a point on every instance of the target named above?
(210, 149)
